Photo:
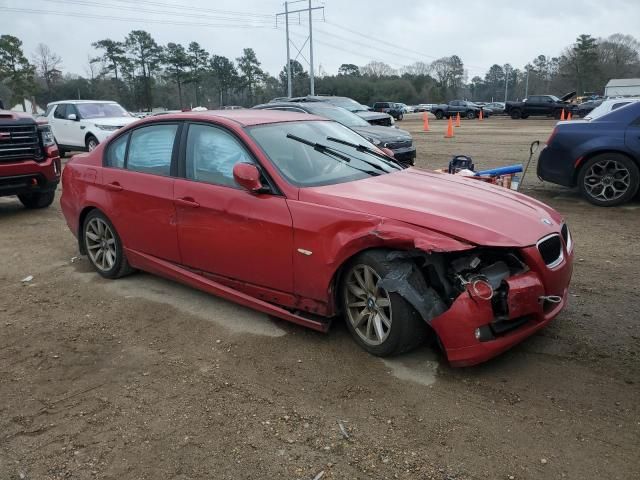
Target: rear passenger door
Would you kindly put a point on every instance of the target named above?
(138, 180)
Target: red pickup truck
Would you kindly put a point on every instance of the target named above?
(29, 160)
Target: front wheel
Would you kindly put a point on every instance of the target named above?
(516, 114)
(471, 115)
(92, 143)
(382, 323)
(609, 179)
(439, 114)
(104, 247)
(37, 200)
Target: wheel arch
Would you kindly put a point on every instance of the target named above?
(588, 156)
(90, 134)
(81, 218)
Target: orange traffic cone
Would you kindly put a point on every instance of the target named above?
(449, 129)
(481, 116)
(425, 121)
(569, 116)
(458, 119)
(562, 115)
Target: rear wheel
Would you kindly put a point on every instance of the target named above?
(471, 114)
(516, 114)
(439, 114)
(104, 247)
(382, 323)
(609, 179)
(37, 200)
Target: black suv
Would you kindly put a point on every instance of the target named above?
(394, 109)
(541, 106)
(399, 141)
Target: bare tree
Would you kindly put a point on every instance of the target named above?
(377, 69)
(47, 64)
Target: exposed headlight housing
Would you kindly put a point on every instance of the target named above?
(375, 141)
(110, 128)
(46, 136)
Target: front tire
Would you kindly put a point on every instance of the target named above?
(38, 200)
(609, 179)
(382, 323)
(439, 114)
(104, 247)
(92, 143)
(516, 114)
(471, 115)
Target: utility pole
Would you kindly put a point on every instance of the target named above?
(506, 85)
(286, 21)
(309, 39)
(311, 79)
(526, 85)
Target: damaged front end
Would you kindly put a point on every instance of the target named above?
(479, 302)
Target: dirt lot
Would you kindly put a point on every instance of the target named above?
(142, 378)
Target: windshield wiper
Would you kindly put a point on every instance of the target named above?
(363, 148)
(331, 152)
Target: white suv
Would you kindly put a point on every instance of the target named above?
(83, 124)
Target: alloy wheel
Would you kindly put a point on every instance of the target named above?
(368, 307)
(607, 180)
(92, 144)
(101, 244)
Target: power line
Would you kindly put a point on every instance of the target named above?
(161, 12)
(182, 7)
(145, 20)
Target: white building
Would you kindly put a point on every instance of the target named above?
(626, 87)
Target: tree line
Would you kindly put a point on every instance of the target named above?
(142, 74)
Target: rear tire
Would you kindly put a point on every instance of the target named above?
(516, 114)
(471, 115)
(439, 114)
(34, 201)
(382, 323)
(104, 247)
(609, 179)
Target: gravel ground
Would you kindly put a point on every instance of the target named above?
(142, 378)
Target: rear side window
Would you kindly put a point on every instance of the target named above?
(116, 152)
(618, 105)
(211, 155)
(151, 149)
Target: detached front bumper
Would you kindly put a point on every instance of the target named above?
(469, 331)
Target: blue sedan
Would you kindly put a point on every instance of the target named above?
(601, 157)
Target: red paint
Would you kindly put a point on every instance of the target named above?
(274, 252)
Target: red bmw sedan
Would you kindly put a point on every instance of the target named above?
(301, 218)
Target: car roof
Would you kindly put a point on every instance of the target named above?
(246, 118)
(81, 101)
(301, 105)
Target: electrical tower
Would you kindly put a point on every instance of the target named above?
(309, 39)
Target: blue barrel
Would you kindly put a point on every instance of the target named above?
(494, 172)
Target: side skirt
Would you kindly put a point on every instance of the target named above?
(174, 272)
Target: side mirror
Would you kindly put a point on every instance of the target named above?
(72, 116)
(247, 176)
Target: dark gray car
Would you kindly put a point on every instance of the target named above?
(374, 118)
(399, 141)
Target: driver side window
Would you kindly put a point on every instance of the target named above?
(211, 154)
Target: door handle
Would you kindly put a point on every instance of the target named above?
(113, 186)
(187, 202)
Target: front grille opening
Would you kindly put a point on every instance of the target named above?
(565, 233)
(551, 250)
(19, 142)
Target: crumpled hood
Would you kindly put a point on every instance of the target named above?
(463, 208)
(112, 121)
(384, 134)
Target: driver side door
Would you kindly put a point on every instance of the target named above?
(222, 228)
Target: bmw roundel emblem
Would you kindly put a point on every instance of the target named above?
(546, 221)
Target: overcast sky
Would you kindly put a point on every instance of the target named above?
(400, 32)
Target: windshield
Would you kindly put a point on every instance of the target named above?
(101, 110)
(347, 103)
(305, 166)
(340, 115)
(554, 98)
